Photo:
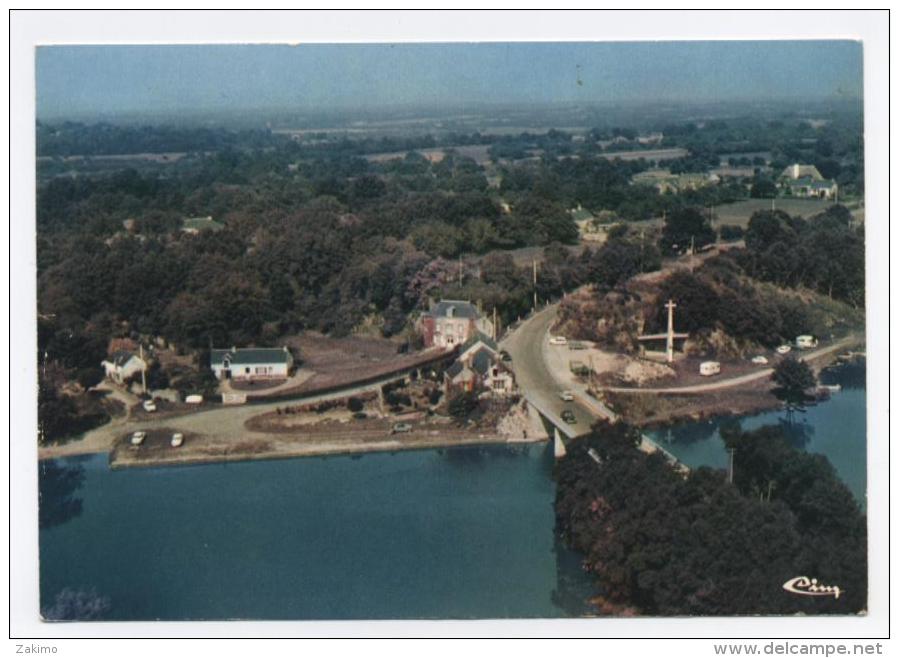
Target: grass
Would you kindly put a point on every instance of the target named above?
(739, 213)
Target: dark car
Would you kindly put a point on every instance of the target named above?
(568, 417)
(505, 356)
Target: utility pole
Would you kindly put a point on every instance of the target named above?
(730, 465)
(642, 238)
(535, 285)
(669, 342)
(143, 370)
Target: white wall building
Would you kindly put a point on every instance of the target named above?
(250, 363)
(122, 364)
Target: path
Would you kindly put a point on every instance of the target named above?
(742, 379)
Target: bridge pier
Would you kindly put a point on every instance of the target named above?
(558, 444)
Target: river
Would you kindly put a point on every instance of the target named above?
(456, 533)
(835, 428)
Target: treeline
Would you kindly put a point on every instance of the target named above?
(72, 138)
(834, 145)
(659, 543)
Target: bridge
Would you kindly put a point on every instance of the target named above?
(542, 375)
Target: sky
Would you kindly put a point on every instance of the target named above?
(105, 80)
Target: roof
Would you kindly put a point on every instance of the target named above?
(120, 357)
(811, 182)
(479, 337)
(796, 171)
(455, 369)
(482, 361)
(454, 308)
(250, 355)
(201, 224)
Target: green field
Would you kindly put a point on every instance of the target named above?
(739, 213)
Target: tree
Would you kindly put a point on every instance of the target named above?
(685, 227)
(694, 544)
(763, 188)
(463, 405)
(698, 304)
(615, 262)
(793, 379)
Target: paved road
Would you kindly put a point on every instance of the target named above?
(717, 384)
(526, 345)
(223, 422)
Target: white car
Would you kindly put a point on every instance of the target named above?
(783, 349)
(137, 438)
(149, 405)
(558, 340)
(177, 439)
(760, 360)
(194, 399)
(567, 396)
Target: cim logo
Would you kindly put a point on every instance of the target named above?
(810, 587)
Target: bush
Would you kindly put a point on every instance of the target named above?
(355, 404)
(463, 404)
(730, 232)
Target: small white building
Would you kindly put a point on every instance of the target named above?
(122, 364)
(251, 363)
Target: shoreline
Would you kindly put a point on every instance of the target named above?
(119, 460)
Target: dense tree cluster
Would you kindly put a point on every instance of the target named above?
(825, 253)
(696, 545)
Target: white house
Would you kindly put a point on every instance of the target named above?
(251, 363)
(122, 364)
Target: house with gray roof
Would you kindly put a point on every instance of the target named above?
(478, 367)
(451, 322)
(251, 363)
(121, 364)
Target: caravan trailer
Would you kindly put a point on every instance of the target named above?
(806, 342)
(709, 368)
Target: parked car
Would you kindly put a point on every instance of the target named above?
(194, 399)
(138, 437)
(401, 428)
(709, 368)
(177, 439)
(558, 340)
(760, 360)
(149, 405)
(806, 342)
(783, 349)
(505, 356)
(568, 417)
(577, 345)
(566, 395)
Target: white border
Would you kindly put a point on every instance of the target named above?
(29, 29)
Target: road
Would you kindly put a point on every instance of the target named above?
(717, 384)
(541, 373)
(526, 346)
(222, 422)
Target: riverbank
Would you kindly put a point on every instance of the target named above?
(746, 394)
(204, 450)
